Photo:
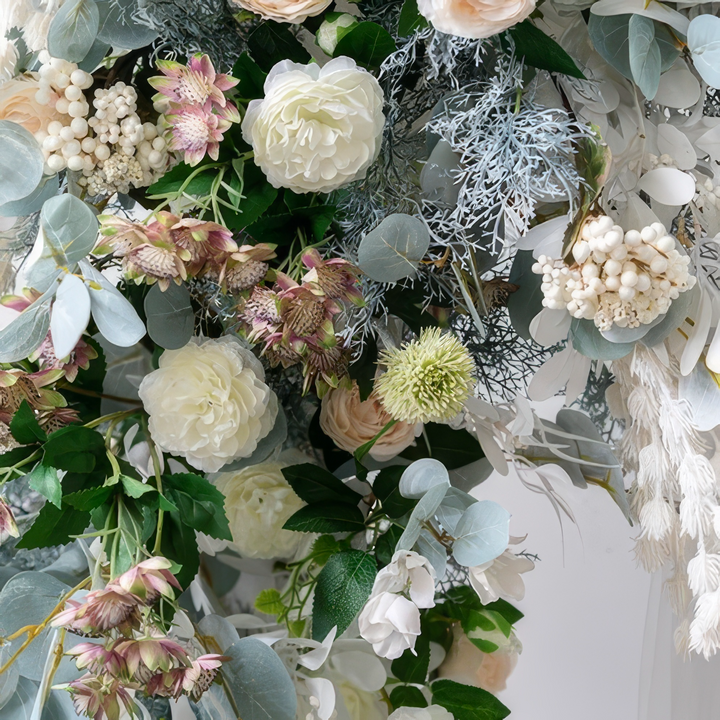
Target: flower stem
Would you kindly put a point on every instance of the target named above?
(159, 485)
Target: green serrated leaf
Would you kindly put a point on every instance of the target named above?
(24, 426)
(76, 449)
(343, 587)
(200, 504)
(466, 702)
(324, 548)
(327, 517)
(269, 602)
(55, 526)
(541, 51)
(412, 667)
(134, 488)
(410, 19)
(314, 484)
(45, 480)
(367, 43)
(407, 696)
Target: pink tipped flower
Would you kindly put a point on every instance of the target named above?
(155, 262)
(8, 526)
(121, 235)
(101, 610)
(146, 656)
(149, 580)
(196, 131)
(79, 358)
(336, 278)
(196, 83)
(98, 659)
(192, 681)
(101, 698)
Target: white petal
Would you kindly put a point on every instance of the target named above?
(697, 335)
(668, 186)
(70, 315)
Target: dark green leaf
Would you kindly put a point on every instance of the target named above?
(541, 51)
(326, 518)
(271, 42)
(88, 499)
(258, 196)
(453, 448)
(331, 453)
(324, 548)
(367, 43)
(44, 479)
(54, 526)
(16, 455)
(343, 587)
(25, 427)
(385, 546)
(200, 504)
(251, 78)
(407, 696)
(76, 449)
(413, 668)
(406, 304)
(180, 545)
(466, 702)
(386, 489)
(364, 368)
(173, 180)
(508, 611)
(313, 484)
(410, 19)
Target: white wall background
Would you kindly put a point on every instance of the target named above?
(585, 608)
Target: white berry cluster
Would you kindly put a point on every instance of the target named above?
(706, 194)
(113, 149)
(621, 278)
(61, 85)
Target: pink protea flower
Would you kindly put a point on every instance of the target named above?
(79, 358)
(149, 580)
(336, 278)
(199, 240)
(8, 526)
(197, 131)
(17, 385)
(98, 659)
(101, 698)
(155, 262)
(192, 681)
(101, 610)
(246, 267)
(196, 83)
(147, 655)
(122, 235)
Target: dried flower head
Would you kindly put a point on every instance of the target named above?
(428, 380)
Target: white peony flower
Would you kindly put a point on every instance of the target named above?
(432, 712)
(390, 623)
(475, 18)
(258, 502)
(410, 570)
(500, 578)
(287, 11)
(316, 129)
(208, 402)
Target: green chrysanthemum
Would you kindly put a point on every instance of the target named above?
(428, 380)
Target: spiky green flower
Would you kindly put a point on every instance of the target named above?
(428, 380)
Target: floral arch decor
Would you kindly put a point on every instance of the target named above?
(283, 282)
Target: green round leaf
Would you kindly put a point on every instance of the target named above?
(70, 228)
(73, 30)
(21, 162)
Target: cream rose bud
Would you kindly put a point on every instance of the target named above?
(350, 423)
(475, 18)
(287, 11)
(258, 502)
(208, 402)
(316, 129)
(390, 623)
(432, 712)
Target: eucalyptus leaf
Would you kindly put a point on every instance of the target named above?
(70, 315)
(435, 552)
(609, 35)
(70, 228)
(702, 393)
(526, 302)
(73, 30)
(117, 27)
(392, 251)
(170, 317)
(588, 341)
(424, 510)
(115, 317)
(20, 705)
(21, 162)
(33, 202)
(25, 333)
(451, 509)
(258, 681)
(418, 478)
(482, 533)
(673, 318)
(703, 40)
(644, 54)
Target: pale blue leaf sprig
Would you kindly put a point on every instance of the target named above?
(73, 290)
(447, 518)
(704, 42)
(73, 30)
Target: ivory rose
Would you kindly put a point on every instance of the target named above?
(316, 129)
(18, 104)
(432, 712)
(351, 423)
(258, 502)
(208, 402)
(475, 18)
(287, 11)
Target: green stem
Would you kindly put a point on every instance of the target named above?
(159, 485)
